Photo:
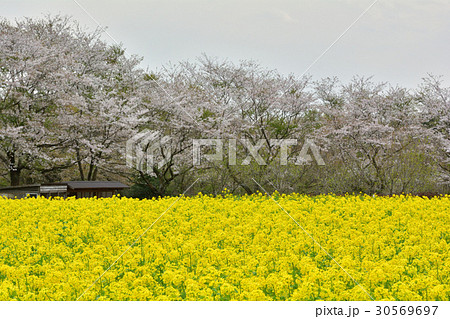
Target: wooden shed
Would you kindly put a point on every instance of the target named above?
(79, 189)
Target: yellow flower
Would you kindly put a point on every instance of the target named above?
(226, 248)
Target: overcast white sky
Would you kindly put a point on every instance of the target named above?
(399, 41)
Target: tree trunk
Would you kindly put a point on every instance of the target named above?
(14, 175)
(14, 170)
(80, 164)
(92, 174)
(80, 170)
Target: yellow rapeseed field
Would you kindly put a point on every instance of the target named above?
(226, 248)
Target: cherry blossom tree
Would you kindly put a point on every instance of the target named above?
(32, 76)
(434, 100)
(67, 98)
(107, 110)
(219, 100)
(370, 132)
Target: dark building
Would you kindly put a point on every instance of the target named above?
(78, 189)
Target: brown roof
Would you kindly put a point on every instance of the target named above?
(75, 185)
